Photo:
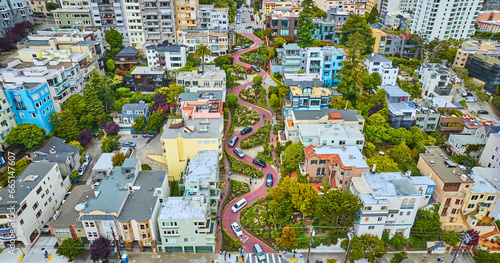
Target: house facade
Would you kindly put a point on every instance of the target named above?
(7, 118)
(132, 111)
(127, 58)
(145, 79)
(435, 80)
(490, 156)
(218, 42)
(166, 56)
(401, 114)
(465, 144)
(56, 150)
(383, 66)
(306, 98)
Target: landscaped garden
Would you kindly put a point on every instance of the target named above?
(259, 137)
(260, 222)
(240, 167)
(244, 116)
(255, 94)
(236, 189)
(229, 243)
(258, 56)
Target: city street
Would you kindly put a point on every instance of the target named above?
(493, 113)
(245, 16)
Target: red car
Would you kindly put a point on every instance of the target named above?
(251, 18)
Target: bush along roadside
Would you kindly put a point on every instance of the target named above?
(240, 167)
(259, 137)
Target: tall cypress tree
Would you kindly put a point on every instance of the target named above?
(305, 25)
(94, 107)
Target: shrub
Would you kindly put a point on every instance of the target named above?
(496, 102)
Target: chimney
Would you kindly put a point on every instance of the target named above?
(374, 168)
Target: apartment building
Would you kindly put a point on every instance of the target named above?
(13, 12)
(270, 6)
(325, 30)
(289, 57)
(445, 19)
(210, 17)
(282, 24)
(452, 184)
(185, 15)
(218, 42)
(7, 118)
(484, 132)
(395, 5)
(337, 15)
(427, 118)
(370, 4)
(490, 156)
(56, 150)
(485, 66)
(103, 167)
(491, 5)
(65, 225)
(490, 175)
(382, 65)
(200, 105)
(188, 223)
(165, 56)
(401, 45)
(158, 21)
(39, 7)
(324, 116)
(109, 14)
(146, 79)
(481, 199)
(127, 58)
(465, 144)
(40, 189)
(73, 16)
(380, 40)
(183, 139)
(391, 201)
(355, 7)
(436, 79)
(333, 165)
(469, 48)
(401, 114)
(306, 98)
(397, 20)
(62, 70)
(31, 103)
(213, 79)
(351, 6)
(127, 204)
(134, 15)
(335, 135)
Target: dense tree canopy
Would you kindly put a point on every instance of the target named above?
(290, 194)
(114, 38)
(352, 70)
(358, 24)
(293, 155)
(339, 209)
(71, 248)
(365, 246)
(26, 135)
(305, 25)
(65, 125)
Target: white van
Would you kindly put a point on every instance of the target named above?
(239, 205)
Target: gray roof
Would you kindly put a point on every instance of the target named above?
(436, 159)
(347, 115)
(466, 139)
(128, 51)
(394, 91)
(305, 80)
(292, 46)
(135, 106)
(35, 172)
(97, 218)
(349, 155)
(390, 184)
(374, 57)
(140, 207)
(183, 208)
(330, 130)
(69, 216)
(146, 71)
(62, 150)
(200, 95)
(481, 185)
(422, 180)
(399, 108)
(201, 129)
(489, 174)
(163, 47)
(130, 162)
(104, 162)
(491, 129)
(203, 166)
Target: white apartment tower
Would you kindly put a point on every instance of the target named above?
(13, 12)
(395, 5)
(109, 14)
(444, 19)
(134, 25)
(158, 20)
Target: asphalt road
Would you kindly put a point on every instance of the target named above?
(245, 16)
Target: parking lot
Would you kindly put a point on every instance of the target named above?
(474, 107)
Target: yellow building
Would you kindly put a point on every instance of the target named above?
(452, 185)
(480, 200)
(7, 118)
(185, 11)
(380, 39)
(369, 5)
(183, 139)
(271, 6)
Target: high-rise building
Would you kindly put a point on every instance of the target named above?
(13, 12)
(158, 20)
(491, 5)
(109, 14)
(210, 17)
(395, 5)
(445, 19)
(185, 15)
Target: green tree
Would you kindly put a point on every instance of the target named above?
(399, 256)
(293, 155)
(202, 50)
(94, 107)
(266, 32)
(451, 237)
(373, 16)
(338, 209)
(232, 100)
(71, 248)
(289, 195)
(155, 120)
(104, 88)
(77, 144)
(139, 125)
(352, 68)
(26, 135)
(376, 127)
(398, 241)
(114, 38)
(280, 41)
(274, 101)
(383, 162)
(365, 246)
(65, 125)
(110, 143)
(288, 238)
(145, 167)
(118, 159)
(76, 105)
(51, 6)
(257, 80)
(401, 153)
(357, 24)
(110, 65)
(484, 256)
(172, 92)
(427, 224)
(305, 25)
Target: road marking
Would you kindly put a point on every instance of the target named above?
(21, 257)
(244, 239)
(50, 257)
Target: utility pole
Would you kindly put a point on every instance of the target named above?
(116, 245)
(464, 237)
(349, 236)
(310, 241)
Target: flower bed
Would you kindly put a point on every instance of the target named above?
(229, 243)
(244, 116)
(240, 167)
(240, 69)
(257, 138)
(255, 94)
(236, 189)
(259, 221)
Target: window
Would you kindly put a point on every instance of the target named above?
(457, 202)
(193, 240)
(368, 208)
(400, 213)
(21, 115)
(142, 227)
(322, 161)
(35, 206)
(171, 232)
(314, 161)
(125, 227)
(474, 197)
(38, 190)
(383, 208)
(366, 219)
(371, 227)
(380, 219)
(33, 115)
(490, 198)
(170, 240)
(408, 213)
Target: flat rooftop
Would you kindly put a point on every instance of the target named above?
(193, 129)
(188, 207)
(389, 184)
(330, 130)
(104, 162)
(437, 160)
(146, 71)
(349, 155)
(482, 185)
(466, 139)
(317, 92)
(201, 96)
(203, 167)
(346, 115)
(208, 74)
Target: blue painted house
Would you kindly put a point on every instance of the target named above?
(31, 103)
(132, 111)
(306, 98)
(331, 65)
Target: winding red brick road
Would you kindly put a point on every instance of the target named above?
(228, 216)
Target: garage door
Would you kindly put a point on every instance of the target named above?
(173, 249)
(204, 249)
(188, 249)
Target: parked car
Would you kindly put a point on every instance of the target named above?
(237, 48)
(129, 144)
(243, 21)
(247, 45)
(259, 253)
(82, 169)
(238, 152)
(237, 230)
(246, 130)
(482, 112)
(269, 180)
(251, 18)
(233, 141)
(259, 162)
(464, 95)
(255, 68)
(148, 135)
(87, 159)
(247, 27)
(470, 99)
(239, 205)
(46, 229)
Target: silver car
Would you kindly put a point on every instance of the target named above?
(237, 230)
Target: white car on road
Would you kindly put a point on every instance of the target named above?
(237, 230)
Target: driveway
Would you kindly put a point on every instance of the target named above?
(153, 146)
(228, 216)
(94, 150)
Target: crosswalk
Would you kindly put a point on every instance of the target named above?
(270, 258)
(244, 30)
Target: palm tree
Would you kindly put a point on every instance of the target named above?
(202, 50)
